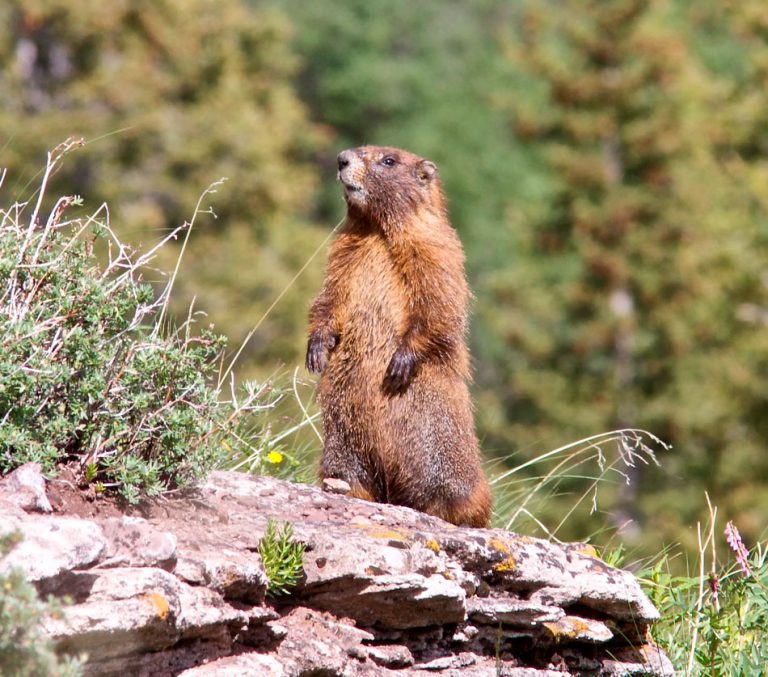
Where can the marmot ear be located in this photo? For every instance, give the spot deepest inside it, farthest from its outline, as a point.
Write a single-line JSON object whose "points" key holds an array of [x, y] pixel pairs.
{"points": [[426, 170]]}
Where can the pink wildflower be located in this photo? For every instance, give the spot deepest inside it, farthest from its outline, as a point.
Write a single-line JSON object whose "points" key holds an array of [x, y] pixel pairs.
{"points": [[737, 545]]}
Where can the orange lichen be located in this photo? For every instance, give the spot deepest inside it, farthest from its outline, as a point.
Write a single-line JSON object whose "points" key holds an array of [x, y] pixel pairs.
{"points": [[498, 544], [388, 534], [433, 545], [160, 604], [571, 628], [507, 564], [589, 550], [568, 629]]}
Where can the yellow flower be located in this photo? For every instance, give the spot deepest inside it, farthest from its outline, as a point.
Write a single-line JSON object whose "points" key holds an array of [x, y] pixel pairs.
{"points": [[275, 457]]}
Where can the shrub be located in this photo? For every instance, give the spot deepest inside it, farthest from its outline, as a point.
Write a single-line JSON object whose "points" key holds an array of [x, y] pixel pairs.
{"points": [[90, 368]]}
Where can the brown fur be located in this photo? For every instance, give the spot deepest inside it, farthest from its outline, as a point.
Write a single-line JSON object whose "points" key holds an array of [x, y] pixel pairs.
{"points": [[387, 331]]}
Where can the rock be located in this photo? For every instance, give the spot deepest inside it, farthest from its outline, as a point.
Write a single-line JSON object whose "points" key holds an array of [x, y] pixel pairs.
{"points": [[391, 656], [404, 601], [242, 664], [204, 612], [459, 661], [385, 591], [234, 574], [51, 546], [127, 611], [311, 643], [336, 486], [170, 661], [511, 611], [25, 488], [132, 542], [556, 575], [8, 509], [628, 661], [577, 629]]}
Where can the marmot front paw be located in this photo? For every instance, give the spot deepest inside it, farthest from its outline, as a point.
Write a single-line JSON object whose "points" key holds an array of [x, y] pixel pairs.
{"points": [[400, 372], [319, 348]]}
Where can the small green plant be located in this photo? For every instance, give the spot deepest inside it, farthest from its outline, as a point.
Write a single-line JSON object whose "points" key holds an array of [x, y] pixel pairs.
{"points": [[24, 649], [282, 557]]}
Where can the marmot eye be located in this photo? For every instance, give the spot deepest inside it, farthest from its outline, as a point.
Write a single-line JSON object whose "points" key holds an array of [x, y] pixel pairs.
{"points": [[389, 161]]}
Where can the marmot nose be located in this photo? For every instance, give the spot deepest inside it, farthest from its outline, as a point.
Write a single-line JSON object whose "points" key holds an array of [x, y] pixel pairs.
{"points": [[344, 158]]}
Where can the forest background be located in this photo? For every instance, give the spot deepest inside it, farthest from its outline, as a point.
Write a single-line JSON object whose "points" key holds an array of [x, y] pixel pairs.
{"points": [[606, 167]]}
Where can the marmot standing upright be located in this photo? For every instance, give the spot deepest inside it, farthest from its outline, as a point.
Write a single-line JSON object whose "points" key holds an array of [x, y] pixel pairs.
{"points": [[387, 331]]}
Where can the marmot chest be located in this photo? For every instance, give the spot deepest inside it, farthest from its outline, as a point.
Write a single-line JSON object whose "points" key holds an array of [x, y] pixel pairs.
{"points": [[375, 307]]}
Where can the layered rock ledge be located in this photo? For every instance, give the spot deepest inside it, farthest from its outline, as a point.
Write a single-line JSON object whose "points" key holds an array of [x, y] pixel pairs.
{"points": [[178, 588]]}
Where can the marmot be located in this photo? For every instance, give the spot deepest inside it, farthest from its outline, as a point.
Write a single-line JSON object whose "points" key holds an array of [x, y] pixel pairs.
{"points": [[387, 331]]}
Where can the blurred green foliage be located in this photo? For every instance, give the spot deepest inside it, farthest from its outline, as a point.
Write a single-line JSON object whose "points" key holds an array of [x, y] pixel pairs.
{"points": [[605, 163], [25, 650], [624, 307]]}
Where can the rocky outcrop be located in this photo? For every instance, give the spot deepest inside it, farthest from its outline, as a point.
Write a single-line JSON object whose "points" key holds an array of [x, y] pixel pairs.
{"points": [[180, 590]]}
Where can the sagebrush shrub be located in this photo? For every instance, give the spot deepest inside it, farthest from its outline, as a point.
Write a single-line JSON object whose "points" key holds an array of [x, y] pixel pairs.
{"points": [[88, 369]]}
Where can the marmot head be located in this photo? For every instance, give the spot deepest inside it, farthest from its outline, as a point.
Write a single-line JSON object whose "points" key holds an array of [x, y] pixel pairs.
{"points": [[388, 185]]}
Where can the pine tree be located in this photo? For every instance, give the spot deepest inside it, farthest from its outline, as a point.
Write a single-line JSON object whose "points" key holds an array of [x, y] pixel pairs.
{"points": [[170, 96], [621, 310]]}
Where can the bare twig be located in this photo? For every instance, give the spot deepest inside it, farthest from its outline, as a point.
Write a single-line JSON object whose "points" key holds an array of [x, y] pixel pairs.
{"points": [[166, 294]]}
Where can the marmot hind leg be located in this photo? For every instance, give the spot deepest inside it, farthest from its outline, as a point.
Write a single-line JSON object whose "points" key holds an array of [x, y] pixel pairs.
{"points": [[473, 510], [341, 460]]}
